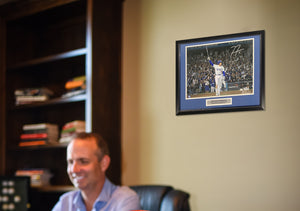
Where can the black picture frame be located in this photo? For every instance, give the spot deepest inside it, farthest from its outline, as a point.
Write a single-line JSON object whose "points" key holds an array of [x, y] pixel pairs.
{"points": [[242, 88]]}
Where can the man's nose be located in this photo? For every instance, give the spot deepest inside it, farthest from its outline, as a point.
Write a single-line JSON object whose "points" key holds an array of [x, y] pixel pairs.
{"points": [[75, 167]]}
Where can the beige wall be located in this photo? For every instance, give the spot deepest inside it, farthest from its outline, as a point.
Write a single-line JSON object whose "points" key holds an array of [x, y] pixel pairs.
{"points": [[241, 161]]}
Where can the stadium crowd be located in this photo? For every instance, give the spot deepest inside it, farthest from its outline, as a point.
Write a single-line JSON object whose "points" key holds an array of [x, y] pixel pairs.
{"points": [[200, 74]]}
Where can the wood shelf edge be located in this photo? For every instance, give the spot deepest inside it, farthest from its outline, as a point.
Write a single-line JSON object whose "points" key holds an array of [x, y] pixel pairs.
{"points": [[50, 58], [55, 188], [54, 101]]}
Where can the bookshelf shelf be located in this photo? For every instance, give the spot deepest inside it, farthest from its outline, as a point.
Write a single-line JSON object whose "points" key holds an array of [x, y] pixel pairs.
{"points": [[48, 59], [57, 188], [41, 147], [50, 102]]}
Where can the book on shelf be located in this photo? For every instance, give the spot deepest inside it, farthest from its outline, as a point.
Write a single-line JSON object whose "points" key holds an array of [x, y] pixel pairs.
{"points": [[51, 138], [38, 176], [30, 136], [67, 136], [75, 86], [74, 124], [43, 130], [73, 93], [38, 126], [34, 92], [32, 143], [76, 82], [32, 95], [20, 100], [70, 129]]}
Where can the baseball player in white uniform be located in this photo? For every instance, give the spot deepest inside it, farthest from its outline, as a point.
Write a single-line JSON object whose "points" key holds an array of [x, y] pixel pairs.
{"points": [[219, 69]]}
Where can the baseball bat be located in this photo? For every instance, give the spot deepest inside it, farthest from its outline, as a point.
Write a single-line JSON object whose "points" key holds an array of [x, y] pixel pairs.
{"points": [[207, 52]]}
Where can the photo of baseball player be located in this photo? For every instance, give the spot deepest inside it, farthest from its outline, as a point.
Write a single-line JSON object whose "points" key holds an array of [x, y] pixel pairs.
{"points": [[220, 69]]}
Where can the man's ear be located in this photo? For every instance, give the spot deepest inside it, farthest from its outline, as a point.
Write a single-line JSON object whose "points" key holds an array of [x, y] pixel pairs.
{"points": [[105, 162]]}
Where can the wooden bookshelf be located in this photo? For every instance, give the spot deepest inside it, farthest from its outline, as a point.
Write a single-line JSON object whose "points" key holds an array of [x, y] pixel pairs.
{"points": [[44, 43]]}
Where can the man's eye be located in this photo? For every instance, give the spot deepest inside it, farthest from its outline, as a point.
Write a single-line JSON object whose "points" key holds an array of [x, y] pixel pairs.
{"points": [[84, 161]]}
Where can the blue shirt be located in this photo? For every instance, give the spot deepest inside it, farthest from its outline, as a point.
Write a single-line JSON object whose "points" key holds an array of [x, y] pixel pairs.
{"points": [[111, 198]]}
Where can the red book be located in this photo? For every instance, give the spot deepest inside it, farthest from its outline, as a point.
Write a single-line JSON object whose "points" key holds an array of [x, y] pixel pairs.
{"points": [[34, 135]]}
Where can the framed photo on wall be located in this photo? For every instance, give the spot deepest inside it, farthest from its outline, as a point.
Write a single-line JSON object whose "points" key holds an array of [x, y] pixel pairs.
{"points": [[220, 73]]}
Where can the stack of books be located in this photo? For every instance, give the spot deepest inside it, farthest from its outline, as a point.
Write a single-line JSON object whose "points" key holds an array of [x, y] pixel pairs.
{"points": [[70, 129], [32, 95], [39, 134], [38, 177], [75, 86]]}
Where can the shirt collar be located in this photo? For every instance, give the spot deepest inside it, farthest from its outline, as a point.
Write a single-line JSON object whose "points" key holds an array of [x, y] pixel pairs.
{"points": [[102, 199], [78, 201]]}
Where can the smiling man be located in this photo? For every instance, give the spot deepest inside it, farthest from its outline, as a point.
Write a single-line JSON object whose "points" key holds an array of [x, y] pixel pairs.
{"points": [[88, 159]]}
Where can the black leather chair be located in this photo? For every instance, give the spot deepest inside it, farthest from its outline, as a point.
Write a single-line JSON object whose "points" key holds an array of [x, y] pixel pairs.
{"points": [[162, 198]]}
